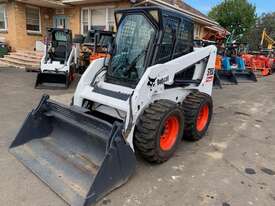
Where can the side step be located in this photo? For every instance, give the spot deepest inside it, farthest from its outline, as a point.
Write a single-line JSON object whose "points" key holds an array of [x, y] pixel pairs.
{"points": [[80, 157]]}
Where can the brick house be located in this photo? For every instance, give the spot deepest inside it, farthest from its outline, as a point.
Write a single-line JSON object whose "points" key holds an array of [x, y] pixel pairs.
{"points": [[23, 23]]}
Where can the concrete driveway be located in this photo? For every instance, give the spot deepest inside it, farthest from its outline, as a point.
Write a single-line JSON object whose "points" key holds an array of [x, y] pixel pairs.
{"points": [[234, 165]]}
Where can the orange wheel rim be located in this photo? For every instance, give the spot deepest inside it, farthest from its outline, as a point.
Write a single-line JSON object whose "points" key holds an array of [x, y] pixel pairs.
{"points": [[203, 118], [170, 133]]}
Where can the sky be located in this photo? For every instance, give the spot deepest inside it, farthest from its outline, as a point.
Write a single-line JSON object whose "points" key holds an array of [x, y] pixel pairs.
{"points": [[206, 5]]}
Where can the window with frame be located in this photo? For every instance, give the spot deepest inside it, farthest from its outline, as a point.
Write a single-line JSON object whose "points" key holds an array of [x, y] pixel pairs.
{"points": [[85, 20], [33, 19], [184, 39], [169, 36], [97, 18], [111, 19], [3, 17]]}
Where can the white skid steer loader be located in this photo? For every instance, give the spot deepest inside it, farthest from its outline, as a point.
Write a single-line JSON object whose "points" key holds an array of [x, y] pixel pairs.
{"points": [[154, 90], [59, 60]]}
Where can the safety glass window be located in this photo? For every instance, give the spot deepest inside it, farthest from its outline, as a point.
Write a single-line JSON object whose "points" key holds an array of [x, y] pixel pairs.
{"points": [[131, 45], [166, 48]]}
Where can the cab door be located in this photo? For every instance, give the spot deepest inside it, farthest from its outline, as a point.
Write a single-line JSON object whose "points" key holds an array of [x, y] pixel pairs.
{"points": [[167, 45]]}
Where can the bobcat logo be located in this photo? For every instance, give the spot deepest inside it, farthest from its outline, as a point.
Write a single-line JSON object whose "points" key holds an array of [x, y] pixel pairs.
{"points": [[152, 82]]}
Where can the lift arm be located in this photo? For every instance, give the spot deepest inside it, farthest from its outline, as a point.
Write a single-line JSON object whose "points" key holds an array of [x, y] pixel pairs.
{"points": [[268, 39]]}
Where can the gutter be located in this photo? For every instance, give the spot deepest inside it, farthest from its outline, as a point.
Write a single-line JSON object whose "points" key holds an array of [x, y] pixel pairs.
{"points": [[52, 4]]}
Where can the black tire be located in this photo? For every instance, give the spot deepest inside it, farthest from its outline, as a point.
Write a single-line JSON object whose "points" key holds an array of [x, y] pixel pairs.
{"points": [[192, 106], [150, 127]]}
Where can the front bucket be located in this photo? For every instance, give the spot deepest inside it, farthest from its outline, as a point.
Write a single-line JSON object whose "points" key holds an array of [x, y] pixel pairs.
{"points": [[80, 157], [244, 76], [52, 80], [227, 77]]}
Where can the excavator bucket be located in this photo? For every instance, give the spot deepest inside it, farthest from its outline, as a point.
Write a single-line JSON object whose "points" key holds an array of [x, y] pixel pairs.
{"points": [[52, 80], [80, 157]]}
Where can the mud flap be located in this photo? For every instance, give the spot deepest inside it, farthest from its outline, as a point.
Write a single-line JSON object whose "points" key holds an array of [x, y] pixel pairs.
{"points": [[80, 157], [227, 77], [46, 80], [244, 76]]}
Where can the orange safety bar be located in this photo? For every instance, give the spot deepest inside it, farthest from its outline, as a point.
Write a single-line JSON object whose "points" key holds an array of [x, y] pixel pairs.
{"points": [[218, 65], [98, 56]]}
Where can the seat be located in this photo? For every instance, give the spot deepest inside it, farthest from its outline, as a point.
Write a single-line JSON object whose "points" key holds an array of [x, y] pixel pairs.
{"points": [[60, 53]]}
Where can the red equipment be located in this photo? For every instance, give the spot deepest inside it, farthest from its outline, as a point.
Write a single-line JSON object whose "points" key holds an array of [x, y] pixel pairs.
{"points": [[258, 63]]}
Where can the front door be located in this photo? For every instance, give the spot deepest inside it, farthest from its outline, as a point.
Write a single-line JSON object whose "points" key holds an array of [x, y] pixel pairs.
{"points": [[60, 22]]}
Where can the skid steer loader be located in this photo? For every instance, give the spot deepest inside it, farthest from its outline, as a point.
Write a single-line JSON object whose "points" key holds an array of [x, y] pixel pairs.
{"points": [[154, 90], [59, 60], [234, 70]]}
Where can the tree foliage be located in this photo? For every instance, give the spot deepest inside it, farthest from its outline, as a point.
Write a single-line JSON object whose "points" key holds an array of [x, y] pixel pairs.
{"points": [[235, 15], [265, 21]]}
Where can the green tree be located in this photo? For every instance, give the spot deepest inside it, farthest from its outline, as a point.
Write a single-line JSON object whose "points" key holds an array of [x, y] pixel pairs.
{"points": [[265, 21], [235, 15]]}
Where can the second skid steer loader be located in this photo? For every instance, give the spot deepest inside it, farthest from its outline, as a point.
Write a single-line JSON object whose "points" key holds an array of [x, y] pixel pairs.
{"points": [[59, 60], [154, 90]]}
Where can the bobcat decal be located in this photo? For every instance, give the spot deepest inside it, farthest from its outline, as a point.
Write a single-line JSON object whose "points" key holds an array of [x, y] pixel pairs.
{"points": [[152, 82]]}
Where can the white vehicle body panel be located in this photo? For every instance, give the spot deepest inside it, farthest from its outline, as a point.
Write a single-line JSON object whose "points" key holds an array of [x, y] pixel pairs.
{"points": [[56, 66], [151, 87]]}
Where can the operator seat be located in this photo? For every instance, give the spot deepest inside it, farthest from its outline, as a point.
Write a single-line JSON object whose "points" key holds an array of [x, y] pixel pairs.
{"points": [[60, 54]]}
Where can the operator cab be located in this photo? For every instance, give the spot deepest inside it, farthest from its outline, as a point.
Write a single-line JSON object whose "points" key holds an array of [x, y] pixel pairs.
{"points": [[146, 37], [59, 44]]}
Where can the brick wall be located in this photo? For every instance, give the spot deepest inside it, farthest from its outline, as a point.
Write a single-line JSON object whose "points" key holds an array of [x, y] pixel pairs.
{"points": [[10, 34], [74, 13], [19, 38], [74, 19], [17, 34]]}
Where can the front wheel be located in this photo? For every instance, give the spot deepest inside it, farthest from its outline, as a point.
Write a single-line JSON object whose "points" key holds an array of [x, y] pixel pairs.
{"points": [[159, 131], [198, 110]]}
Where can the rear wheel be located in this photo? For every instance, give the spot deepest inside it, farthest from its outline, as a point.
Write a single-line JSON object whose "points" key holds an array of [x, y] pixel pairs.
{"points": [[198, 109], [158, 131]]}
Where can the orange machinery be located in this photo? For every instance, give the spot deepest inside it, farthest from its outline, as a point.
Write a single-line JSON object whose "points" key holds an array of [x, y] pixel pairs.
{"points": [[95, 46], [218, 67], [258, 62]]}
